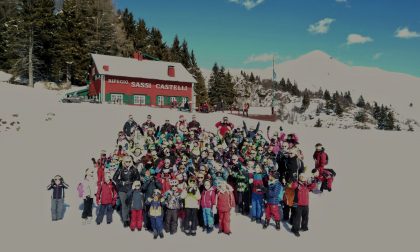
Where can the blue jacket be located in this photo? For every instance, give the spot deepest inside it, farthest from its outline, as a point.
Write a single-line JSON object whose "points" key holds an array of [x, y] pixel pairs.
{"points": [[274, 193]]}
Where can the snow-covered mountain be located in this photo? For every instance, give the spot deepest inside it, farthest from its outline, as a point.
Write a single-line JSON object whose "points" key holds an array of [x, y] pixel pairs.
{"points": [[318, 69]]}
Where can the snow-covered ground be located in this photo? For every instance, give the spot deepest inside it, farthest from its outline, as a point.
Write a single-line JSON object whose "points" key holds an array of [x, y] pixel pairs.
{"points": [[373, 206]]}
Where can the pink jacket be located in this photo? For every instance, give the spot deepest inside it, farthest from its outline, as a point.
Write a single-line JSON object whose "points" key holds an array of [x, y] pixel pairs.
{"points": [[208, 198]]}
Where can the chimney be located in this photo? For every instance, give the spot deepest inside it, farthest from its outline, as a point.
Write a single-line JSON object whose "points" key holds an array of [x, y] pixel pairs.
{"points": [[106, 68], [138, 56], [171, 71]]}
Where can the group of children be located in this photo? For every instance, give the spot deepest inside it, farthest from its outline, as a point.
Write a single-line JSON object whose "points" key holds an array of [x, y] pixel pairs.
{"points": [[162, 177]]}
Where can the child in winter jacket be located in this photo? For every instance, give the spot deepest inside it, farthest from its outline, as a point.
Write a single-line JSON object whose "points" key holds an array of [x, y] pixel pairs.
{"points": [[273, 195], [106, 198], [207, 203], [301, 216], [173, 205], [256, 179], [225, 201], [57, 198], [135, 199], [156, 213], [89, 190], [191, 197]]}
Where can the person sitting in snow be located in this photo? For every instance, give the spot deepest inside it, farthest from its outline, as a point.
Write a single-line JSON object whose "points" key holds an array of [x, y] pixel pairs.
{"points": [[57, 198]]}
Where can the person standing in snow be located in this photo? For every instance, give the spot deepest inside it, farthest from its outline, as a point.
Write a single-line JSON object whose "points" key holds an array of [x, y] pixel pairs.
{"points": [[225, 201], [57, 198], [89, 190], [224, 127], [124, 178], [129, 126], [106, 198], [273, 195]]}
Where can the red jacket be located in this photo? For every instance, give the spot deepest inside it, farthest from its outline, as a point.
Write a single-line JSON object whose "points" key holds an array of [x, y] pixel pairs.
{"points": [[100, 172], [106, 194], [302, 192], [225, 201], [224, 127], [208, 198], [320, 158], [165, 181]]}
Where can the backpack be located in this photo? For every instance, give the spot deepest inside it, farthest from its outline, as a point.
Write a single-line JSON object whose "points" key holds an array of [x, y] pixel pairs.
{"points": [[80, 190]]}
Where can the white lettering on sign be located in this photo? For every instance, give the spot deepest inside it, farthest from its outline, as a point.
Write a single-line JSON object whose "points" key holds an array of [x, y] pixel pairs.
{"points": [[136, 84], [171, 87]]}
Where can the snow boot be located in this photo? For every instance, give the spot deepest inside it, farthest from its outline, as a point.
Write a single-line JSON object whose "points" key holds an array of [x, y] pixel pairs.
{"points": [[155, 235], [126, 224], [259, 221], [304, 229], [277, 225], [209, 230], [252, 219], [83, 221], [205, 228], [193, 233], [161, 235], [296, 233], [265, 224]]}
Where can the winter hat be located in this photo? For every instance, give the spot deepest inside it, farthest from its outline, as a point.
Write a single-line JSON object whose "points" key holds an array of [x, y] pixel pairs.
{"points": [[157, 192], [136, 183]]}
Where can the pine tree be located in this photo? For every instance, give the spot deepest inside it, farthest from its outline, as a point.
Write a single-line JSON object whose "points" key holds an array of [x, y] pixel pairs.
{"points": [[129, 23], [252, 77], [361, 116], [282, 84], [305, 102], [318, 123], [389, 121], [176, 50], [200, 87], [185, 59], [361, 102], [158, 48], [338, 109], [141, 37], [327, 95], [320, 94]]}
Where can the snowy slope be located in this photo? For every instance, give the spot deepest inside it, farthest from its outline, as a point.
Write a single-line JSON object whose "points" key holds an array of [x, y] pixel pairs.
{"points": [[375, 189], [317, 69]]}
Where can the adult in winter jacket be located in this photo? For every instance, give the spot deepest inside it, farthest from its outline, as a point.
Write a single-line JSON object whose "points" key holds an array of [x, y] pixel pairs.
{"points": [[129, 126], [320, 157], [135, 199], [250, 134], [273, 196], [57, 198], [224, 126], [89, 190], [148, 124], [225, 201], [194, 125], [106, 198], [301, 217], [124, 178]]}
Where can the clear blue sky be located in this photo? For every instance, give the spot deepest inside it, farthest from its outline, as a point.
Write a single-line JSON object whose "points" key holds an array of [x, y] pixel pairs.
{"points": [[241, 33]]}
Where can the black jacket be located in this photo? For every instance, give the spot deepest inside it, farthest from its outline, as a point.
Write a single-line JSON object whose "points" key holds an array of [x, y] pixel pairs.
{"points": [[124, 178], [128, 126], [149, 186]]}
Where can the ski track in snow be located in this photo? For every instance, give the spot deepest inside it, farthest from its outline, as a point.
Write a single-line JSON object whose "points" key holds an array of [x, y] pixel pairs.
{"points": [[373, 205]]}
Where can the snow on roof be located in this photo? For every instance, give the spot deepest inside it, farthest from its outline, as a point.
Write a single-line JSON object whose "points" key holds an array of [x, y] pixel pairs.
{"points": [[147, 69]]}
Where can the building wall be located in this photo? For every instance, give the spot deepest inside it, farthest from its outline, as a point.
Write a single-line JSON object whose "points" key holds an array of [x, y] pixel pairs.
{"points": [[151, 89]]}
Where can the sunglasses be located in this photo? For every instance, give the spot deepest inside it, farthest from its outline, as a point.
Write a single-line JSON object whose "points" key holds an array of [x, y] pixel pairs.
{"points": [[56, 179]]}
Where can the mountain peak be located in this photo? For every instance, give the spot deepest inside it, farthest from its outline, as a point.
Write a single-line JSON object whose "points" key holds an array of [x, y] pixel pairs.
{"points": [[318, 55]]}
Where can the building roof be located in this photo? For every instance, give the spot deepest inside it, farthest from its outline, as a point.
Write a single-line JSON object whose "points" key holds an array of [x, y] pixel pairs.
{"points": [[147, 69]]}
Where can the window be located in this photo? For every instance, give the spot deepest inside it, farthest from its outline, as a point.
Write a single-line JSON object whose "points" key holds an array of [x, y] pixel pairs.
{"points": [[173, 99], [159, 100], [184, 100], [116, 98], [140, 100]]}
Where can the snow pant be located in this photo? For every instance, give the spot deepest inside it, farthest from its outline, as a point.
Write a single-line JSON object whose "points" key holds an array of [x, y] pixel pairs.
{"points": [[224, 222], [171, 220], [157, 224], [243, 202], [124, 208], [272, 210], [208, 217], [326, 183], [191, 220], [57, 209], [136, 219], [301, 218], [288, 212], [87, 207], [104, 209], [181, 216], [257, 205]]}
